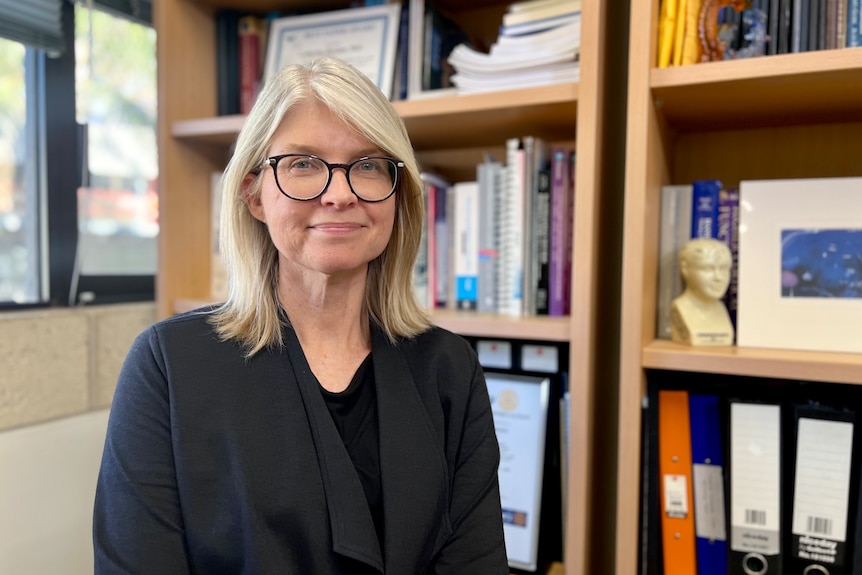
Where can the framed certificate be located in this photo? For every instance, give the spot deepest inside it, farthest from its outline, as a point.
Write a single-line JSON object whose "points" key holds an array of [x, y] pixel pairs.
{"points": [[520, 407], [365, 37]]}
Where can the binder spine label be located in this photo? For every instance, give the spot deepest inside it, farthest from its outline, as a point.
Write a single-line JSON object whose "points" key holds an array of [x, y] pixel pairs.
{"points": [[822, 486], [755, 478], [709, 502], [675, 496]]}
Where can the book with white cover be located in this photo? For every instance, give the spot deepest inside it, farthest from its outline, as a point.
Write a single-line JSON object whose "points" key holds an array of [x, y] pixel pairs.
{"points": [[510, 282], [466, 244], [674, 232], [489, 175]]}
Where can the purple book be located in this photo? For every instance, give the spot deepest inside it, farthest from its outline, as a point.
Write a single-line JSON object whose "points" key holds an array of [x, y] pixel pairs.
{"points": [[562, 202]]}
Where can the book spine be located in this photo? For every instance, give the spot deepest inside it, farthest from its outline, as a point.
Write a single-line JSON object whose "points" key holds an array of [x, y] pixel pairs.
{"points": [[560, 228], [227, 61], [728, 232], [704, 220], [675, 223], [511, 266], [466, 244], [431, 224], [542, 234], [488, 174], [841, 24], [854, 23], [249, 62], [420, 268]]}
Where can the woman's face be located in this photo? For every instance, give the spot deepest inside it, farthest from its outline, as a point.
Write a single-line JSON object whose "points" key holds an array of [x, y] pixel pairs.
{"points": [[336, 233]]}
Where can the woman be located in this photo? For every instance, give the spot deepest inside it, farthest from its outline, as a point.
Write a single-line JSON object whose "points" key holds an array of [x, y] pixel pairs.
{"points": [[315, 422]]}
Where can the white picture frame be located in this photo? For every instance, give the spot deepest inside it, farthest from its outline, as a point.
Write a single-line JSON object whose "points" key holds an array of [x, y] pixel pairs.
{"points": [[519, 404], [365, 37], [796, 241]]}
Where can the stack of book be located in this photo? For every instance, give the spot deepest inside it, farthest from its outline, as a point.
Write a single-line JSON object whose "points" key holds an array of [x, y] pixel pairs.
{"points": [[538, 44]]}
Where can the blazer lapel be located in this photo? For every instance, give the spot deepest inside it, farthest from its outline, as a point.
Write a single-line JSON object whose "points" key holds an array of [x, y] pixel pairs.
{"points": [[353, 533], [412, 465]]}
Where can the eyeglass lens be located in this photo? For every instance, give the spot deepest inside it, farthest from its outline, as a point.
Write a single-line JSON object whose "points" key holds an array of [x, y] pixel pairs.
{"points": [[305, 177]]}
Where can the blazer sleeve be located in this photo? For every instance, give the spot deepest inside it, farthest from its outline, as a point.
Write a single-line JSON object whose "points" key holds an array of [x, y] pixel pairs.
{"points": [[476, 544], [137, 524]]}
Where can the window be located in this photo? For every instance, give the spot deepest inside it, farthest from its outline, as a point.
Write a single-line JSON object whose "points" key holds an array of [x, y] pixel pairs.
{"points": [[78, 160], [115, 77], [19, 238]]}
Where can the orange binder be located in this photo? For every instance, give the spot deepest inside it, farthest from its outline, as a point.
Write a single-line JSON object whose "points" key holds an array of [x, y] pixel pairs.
{"points": [[675, 484]]}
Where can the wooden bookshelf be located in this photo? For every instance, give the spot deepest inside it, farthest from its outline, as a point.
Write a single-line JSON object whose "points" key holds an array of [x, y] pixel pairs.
{"points": [[449, 133], [785, 116]]}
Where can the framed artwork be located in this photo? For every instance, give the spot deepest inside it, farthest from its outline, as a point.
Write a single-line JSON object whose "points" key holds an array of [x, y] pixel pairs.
{"points": [[365, 37], [800, 264]]}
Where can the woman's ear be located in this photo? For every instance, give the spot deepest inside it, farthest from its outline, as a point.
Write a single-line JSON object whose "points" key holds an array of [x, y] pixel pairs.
{"points": [[251, 196]]}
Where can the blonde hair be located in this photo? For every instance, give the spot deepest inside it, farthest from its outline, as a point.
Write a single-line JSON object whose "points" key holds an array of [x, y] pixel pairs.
{"points": [[251, 313]]}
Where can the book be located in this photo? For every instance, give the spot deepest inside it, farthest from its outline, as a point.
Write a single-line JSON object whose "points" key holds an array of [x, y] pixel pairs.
{"points": [[227, 62], [438, 240], [562, 204], [675, 231], [536, 225], [489, 175], [218, 271], [679, 32], [666, 31], [675, 483], [250, 48], [727, 231], [854, 23], [541, 12], [466, 244], [510, 282], [704, 216]]}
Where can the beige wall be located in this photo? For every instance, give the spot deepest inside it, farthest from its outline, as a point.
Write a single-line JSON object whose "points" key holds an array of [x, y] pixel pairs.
{"points": [[58, 370], [57, 363]]}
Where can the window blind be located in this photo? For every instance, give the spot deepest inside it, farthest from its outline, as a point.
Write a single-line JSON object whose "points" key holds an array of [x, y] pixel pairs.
{"points": [[36, 23]]}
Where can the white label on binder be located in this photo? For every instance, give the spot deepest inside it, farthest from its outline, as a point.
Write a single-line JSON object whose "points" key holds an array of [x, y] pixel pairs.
{"points": [[822, 484], [675, 496], [540, 358], [755, 473], [494, 353], [709, 502]]}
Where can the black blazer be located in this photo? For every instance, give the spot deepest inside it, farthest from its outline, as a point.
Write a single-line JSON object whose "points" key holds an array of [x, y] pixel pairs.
{"points": [[220, 465]]}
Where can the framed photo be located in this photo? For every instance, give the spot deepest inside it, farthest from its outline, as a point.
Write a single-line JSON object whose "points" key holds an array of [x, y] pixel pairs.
{"points": [[365, 37], [519, 403], [800, 264]]}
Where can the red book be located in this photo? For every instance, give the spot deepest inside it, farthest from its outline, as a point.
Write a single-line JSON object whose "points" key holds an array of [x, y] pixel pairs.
{"points": [[249, 61]]}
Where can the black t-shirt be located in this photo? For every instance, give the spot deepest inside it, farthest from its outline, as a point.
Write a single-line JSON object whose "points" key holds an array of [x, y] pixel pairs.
{"points": [[354, 412]]}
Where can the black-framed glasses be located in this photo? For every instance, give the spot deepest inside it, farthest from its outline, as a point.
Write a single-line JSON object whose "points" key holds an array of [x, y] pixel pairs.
{"points": [[304, 177]]}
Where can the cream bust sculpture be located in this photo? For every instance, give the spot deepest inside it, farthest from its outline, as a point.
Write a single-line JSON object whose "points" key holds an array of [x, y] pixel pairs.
{"points": [[698, 316]]}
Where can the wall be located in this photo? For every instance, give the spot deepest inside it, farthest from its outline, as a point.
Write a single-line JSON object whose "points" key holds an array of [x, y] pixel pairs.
{"points": [[58, 369]]}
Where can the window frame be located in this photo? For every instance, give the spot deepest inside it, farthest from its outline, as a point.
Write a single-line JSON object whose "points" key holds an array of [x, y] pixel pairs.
{"points": [[58, 143]]}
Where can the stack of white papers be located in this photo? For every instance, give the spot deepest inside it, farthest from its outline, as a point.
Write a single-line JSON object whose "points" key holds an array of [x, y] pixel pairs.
{"points": [[537, 59]]}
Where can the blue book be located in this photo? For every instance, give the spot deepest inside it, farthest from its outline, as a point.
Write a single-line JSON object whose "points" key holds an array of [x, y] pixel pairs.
{"points": [[854, 23], [708, 482], [704, 206], [728, 232]]}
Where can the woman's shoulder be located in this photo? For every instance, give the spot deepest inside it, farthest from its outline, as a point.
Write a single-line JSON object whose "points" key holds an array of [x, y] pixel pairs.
{"points": [[438, 344]]}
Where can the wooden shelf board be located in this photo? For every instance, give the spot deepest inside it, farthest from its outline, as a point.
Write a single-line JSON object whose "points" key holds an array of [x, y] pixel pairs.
{"points": [[469, 323], [500, 326], [823, 86], [755, 362], [490, 118], [481, 119]]}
